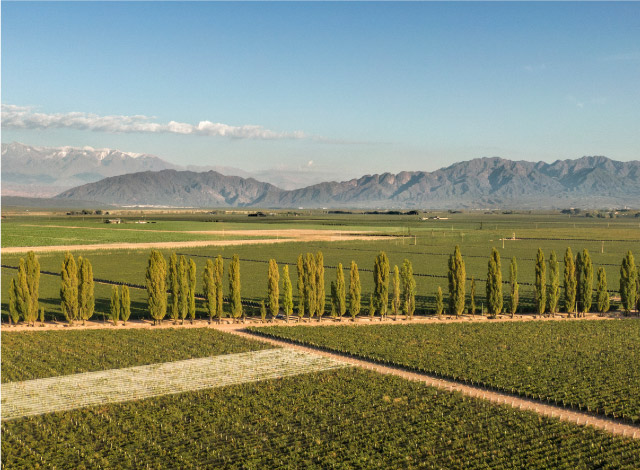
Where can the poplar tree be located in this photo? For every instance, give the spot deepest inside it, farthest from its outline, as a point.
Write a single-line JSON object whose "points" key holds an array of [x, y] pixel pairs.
{"points": [[234, 287], [192, 290], [586, 282], [372, 305], [602, 296], [14, 313], [86, 298], [341, 292], [209, 288], [395, 300], [628, 276], [156, 282], [125, 300], [301, 288], [540, 293], [494, 284], [355, 291], [638, 291], [287, 292], [457, 275], [333, 295], [115, 305], [579, 271], [24, 299], [218, 276], [408, 289], [514, 288], [320, 291], [310, 300], [263, 311], [381, 284], [174, 286], [69, 288], [183, 288], [569, 282], [439, 302], [472, 297], [273, 288], [33, 281], [554, 283]]}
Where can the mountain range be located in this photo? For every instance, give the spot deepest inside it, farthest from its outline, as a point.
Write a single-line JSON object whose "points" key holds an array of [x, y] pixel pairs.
{"points": [[590, 182]]}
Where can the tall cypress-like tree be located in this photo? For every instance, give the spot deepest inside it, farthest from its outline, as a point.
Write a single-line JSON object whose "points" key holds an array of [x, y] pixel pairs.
{"points": [[209, 288], [310, 300], [602, 295], [457, 276], [14, 313], [372, 306], [183, 288], [395, 299], [554, 284], [86, 298], [628, 276], [273, 288], [287, 292], [514, 287], [115, 305], [579, 273], [300, 285], [494, 283], [355, 291], [341, 292], [156, 282], [586, 280], [569, 282], [439, 302], [333, 295], [218, 277], [638, 290], [192, 290], [263, 311], [381, 283], [174, 286], [235, 297], [540, 294], [472, 297], [25, 306], [320, 290], [125, 301], [408, 289], [33, 282], [69, 288]]}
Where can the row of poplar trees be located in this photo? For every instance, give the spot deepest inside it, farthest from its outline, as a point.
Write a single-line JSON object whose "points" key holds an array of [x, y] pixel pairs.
{"points": [[578, 285]]}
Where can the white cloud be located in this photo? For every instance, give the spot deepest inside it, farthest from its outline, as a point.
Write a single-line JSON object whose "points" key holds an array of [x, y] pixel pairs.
{"points": [[24, 117]]}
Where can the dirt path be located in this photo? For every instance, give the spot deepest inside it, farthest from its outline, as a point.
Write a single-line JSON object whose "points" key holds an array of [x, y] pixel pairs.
{"points": [[563, 414], [326, 321], [321, 235]]}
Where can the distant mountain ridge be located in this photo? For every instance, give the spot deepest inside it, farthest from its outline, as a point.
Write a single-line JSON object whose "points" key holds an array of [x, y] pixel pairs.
{"points": [[479, 183]]}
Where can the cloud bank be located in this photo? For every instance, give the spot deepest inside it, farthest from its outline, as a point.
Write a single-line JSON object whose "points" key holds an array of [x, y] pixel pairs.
{"points": [[24, 117]]}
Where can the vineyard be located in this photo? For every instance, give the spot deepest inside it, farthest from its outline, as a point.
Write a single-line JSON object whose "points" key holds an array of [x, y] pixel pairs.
{"points": [[588, 365], [34, 397], [345, 418], [39, 354]]}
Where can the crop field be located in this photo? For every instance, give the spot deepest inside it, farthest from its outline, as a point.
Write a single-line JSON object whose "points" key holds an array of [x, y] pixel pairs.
{"points": [[39, 354], [590, 365], [426, 243], [345, 418]]}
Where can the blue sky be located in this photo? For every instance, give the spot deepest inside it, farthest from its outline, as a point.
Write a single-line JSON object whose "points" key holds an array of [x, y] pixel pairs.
{"points": [[354, 88]]}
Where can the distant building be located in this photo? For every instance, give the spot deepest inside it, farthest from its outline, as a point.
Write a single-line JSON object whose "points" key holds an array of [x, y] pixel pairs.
{"points": [[113, 221]]}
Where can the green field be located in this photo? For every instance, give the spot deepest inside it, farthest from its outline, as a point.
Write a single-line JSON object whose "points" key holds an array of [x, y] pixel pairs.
{"points": [[347, 418], [592, 365], [39, 354], [435, 239]]}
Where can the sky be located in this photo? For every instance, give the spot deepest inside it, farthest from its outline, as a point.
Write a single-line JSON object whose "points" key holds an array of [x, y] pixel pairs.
{"points": [[336, 89]]}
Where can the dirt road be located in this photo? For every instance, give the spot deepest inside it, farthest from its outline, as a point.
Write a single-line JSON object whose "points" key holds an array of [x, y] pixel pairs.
{"points": [[282, 236]]}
